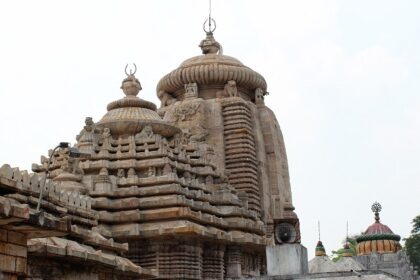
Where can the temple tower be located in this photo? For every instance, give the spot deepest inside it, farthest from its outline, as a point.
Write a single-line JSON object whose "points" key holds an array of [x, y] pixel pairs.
{"points": [[199, 189], [220, 102], [155, 185]]}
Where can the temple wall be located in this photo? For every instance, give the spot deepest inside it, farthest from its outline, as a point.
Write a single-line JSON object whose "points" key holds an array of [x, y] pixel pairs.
{"points": [[277, 168], [240, 152], [214, 117], [65, 269], [396, 264], [196, 259], [326, 276], [264, 182], [13, 254]]}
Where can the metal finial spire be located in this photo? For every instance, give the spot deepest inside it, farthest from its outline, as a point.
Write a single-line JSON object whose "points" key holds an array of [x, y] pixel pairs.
{"points": [[210, 15], [346, 244], [376, 208], [210, 21], [347, 231], [132, 72], [319, 231]]}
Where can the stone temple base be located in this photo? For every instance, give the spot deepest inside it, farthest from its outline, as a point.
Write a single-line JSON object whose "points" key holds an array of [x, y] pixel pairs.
{"points": [[286, 259]]}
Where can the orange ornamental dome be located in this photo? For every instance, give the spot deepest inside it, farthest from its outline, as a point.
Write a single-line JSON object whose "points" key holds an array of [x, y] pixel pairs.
{"points": [[378, 237], [212, 69], [129, 115]]}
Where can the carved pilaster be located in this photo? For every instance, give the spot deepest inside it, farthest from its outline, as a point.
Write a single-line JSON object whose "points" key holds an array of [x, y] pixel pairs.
{"points": [[233, 261]]}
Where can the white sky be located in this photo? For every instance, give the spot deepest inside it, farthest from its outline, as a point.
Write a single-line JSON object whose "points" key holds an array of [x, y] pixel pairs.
{"points": [[343, 78]]}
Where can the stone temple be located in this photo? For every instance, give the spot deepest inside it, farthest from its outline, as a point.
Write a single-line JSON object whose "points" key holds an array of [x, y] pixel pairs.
{"points": [[196, 189]]}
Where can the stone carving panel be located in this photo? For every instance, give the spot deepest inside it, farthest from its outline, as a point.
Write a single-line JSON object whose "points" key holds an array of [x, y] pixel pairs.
{"points": [[186, 112], [191, 91]]}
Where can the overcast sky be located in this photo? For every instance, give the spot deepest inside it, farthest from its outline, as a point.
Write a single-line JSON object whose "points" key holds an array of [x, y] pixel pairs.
{"points": [[343, 78]]}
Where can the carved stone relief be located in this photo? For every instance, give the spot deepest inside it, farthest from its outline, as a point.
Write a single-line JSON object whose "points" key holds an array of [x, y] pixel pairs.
{"points": [[146, 132], [166, 99], [185, 112], [259, 96], [191, 91], [230, 90]]}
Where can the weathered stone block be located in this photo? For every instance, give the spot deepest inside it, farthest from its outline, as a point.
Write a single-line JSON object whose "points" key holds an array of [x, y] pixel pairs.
{"points": [[21, 265], [16, 238], [7, 263], [3, 235], [286, 259], [13, 250]]}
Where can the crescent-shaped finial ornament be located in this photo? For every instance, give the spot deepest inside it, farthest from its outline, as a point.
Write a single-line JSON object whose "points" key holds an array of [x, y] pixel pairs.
{"points": [[131, 70], [209, 22]]}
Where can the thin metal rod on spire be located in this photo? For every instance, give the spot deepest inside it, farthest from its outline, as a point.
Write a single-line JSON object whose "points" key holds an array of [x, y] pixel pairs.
{"points": [[347, 231], [319, 231], [210, 22], [209, 14]]}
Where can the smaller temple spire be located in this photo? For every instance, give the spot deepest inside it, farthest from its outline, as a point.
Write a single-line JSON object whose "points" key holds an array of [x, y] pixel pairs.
{"points": [[319, 249], [347, 252], [376, 208]]}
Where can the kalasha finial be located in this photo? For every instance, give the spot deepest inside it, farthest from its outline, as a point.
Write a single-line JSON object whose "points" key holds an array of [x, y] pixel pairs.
{"points": [[131, 85], [376, 208], [209, 45]]}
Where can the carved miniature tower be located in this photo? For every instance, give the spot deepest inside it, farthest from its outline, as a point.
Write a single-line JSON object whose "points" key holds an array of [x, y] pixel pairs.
{"points": [[219, 102]]}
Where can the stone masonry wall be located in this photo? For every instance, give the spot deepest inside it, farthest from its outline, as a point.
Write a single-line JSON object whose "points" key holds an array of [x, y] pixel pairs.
{"points": [[13, 254]]}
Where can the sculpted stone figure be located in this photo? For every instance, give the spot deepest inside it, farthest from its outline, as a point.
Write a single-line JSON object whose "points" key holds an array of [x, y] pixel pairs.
{"points": [[86, 138], [147, 132], [191, 91], [72, 166], [259, 96], [230, 90], [121, 173], [106, 142], [106, 136], [165, 99]]}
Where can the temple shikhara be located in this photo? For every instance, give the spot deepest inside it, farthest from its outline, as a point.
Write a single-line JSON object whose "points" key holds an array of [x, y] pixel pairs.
{"points": [[194, 189], [198, 188]]}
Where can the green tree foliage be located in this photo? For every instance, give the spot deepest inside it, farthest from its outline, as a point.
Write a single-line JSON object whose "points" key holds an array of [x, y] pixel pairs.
{"points": [[352, 246], [412, 244]]}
